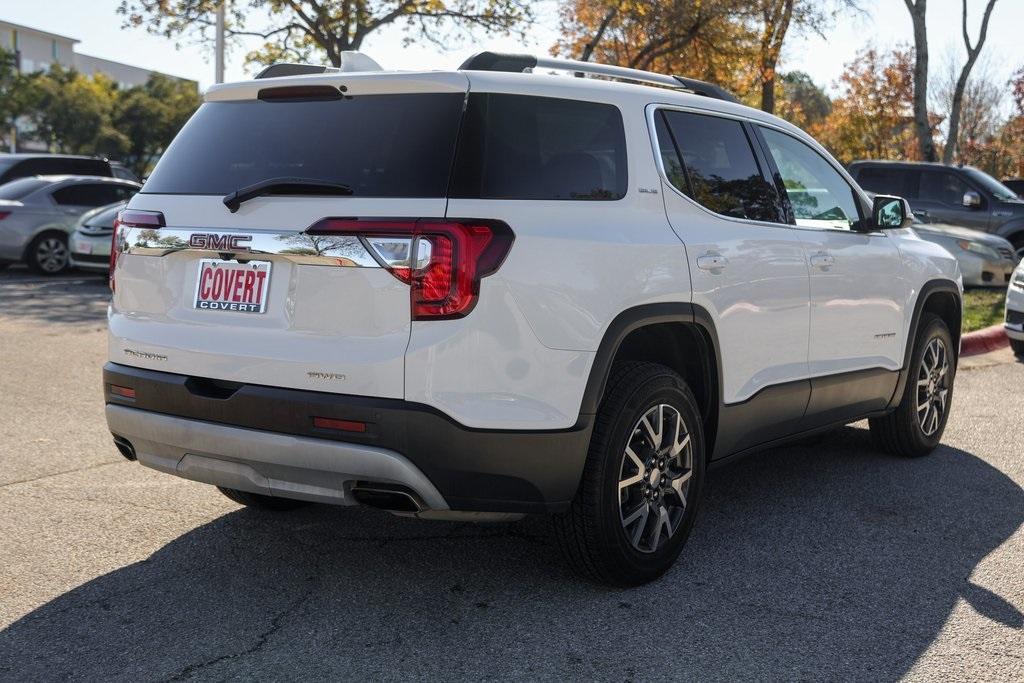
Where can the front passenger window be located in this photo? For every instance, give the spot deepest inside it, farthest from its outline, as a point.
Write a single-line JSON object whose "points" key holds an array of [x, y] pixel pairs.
{"points": [[819, 195]]}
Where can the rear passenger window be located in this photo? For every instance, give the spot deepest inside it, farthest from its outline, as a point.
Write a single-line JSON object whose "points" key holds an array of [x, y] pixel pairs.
{"points": [[85, 194], [721, 168], [525, 147]]}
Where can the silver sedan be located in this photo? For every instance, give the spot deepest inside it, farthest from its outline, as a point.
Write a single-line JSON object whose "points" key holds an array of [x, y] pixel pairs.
{"points": [[985, 260], [37, 214]]}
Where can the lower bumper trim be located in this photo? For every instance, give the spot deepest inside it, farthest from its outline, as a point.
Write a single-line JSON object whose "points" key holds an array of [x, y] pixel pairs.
{"points": [[264, 462]]}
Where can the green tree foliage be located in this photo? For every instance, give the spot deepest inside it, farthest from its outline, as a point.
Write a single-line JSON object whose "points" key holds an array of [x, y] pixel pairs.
{"points": [[306, 30], [16, 96], [77, 114], [801, 101], [149, 116]]}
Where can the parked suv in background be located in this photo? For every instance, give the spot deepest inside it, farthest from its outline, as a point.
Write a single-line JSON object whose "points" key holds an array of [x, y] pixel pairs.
{"points": [[38, 213], [483, 293], [957, 195]]}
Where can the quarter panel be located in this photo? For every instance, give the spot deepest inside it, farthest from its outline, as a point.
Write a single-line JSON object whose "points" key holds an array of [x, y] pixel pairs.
{"points": [[489, 371]]}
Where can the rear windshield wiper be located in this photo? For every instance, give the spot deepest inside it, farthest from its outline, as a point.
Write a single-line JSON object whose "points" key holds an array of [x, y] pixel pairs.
{"points": [[284, 186]]}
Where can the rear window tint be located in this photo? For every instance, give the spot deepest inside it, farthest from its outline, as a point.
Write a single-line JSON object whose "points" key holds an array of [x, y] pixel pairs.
{"points": [[527, 147], [894, 181], [397, 145], [721, 168]]}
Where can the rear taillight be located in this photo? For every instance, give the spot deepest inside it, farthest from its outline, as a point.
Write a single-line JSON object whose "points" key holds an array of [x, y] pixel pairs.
{"points": [[131, 218], [4, 214], [441, 260]]}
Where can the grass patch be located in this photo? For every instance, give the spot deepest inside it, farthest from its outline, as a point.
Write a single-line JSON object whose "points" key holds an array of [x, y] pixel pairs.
{"points": [[983, 308]]}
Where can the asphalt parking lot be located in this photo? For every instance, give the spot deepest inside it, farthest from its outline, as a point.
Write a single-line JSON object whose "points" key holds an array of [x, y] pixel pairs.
{"points": [[824, 560]]}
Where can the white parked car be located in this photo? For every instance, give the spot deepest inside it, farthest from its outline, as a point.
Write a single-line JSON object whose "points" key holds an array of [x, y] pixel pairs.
{"points": [[90, 242], [484, 293], [1014, 323]]}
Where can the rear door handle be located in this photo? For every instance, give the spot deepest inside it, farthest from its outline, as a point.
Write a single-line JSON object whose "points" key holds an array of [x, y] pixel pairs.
{"points": [[712, 262], [823, 260]]}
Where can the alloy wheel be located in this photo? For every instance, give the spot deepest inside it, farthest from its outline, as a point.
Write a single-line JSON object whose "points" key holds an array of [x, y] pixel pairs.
{"points": [[654, 478], [51, 255], [932, 386]]}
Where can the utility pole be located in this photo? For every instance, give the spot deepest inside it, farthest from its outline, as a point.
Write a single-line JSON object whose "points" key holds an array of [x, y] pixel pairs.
{"points": [[219, 59]]}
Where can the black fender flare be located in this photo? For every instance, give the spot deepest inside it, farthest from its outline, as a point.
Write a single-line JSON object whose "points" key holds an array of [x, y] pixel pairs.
{"points": [[1011, 228], [633, 319], [927, 290]]}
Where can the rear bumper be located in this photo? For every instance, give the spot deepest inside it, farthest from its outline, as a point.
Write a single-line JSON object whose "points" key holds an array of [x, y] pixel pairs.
{"points": [[263, 439], [264, 462]]}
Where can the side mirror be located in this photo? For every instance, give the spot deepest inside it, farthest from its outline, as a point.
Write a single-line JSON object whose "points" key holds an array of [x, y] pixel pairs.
{"points": [[888, 213], [972, 199]]}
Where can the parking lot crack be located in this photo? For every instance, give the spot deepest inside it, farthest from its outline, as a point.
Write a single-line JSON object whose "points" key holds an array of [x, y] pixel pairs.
{"points": [[276, 623], [57, 474]]}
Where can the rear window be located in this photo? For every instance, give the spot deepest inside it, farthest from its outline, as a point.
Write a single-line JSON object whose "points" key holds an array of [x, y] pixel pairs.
{"points": [[398, 145], [527, 147], [719, 169], [21, 188], [894, 181]]}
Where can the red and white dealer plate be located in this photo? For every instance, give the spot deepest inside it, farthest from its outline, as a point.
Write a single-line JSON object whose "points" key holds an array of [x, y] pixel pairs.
{"points": [[232, 286]]}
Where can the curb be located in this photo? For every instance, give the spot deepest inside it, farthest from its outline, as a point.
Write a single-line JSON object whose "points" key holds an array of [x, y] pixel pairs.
{"points": [[982, 341]]}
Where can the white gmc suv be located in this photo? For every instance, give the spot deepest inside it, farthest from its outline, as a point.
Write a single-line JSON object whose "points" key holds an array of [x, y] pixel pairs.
{"points": [[488, 292]]}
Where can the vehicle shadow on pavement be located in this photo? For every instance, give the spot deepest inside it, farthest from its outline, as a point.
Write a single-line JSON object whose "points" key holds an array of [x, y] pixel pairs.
{"points": [[74, 298], [821, 560]]}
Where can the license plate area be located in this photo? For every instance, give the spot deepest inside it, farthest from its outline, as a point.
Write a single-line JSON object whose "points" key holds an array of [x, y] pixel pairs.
{"points": [[232, 286]]}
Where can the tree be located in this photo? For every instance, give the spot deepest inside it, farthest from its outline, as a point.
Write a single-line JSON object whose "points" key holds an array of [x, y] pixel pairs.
{"points": [[961, 83], [981, 105], [700, 39], [17, 98], [70, 110], [872, 118], [801, 101], [777, 18], [309, 29], [922, 126], [149, 116]]}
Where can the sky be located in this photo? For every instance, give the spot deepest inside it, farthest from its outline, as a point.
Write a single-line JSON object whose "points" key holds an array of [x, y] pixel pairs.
{"points": [[886, 24]]}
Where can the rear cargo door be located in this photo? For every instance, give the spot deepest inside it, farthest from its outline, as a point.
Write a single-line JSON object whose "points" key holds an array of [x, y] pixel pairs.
{"points": [[261, 294]]}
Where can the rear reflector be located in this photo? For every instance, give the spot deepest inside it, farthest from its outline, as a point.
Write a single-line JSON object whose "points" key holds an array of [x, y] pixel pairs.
{"points": [[126, 392], [442, 260], [341, 425]]}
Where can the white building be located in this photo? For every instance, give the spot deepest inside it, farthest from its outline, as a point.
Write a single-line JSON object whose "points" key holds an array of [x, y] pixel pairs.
{"points": [[37, 50]]}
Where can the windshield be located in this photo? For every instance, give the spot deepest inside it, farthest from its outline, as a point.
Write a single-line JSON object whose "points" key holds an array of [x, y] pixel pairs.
{"points": [[1001, 192], [397, 145], [21, 188]]}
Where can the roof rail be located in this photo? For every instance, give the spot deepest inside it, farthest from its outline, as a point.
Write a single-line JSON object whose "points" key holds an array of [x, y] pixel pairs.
{"points": [[498, 61], [350, 61]]}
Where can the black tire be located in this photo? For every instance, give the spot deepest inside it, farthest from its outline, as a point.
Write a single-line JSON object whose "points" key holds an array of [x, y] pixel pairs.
{"points": [[261, 502], [592, 532], [901, 432], [1017, 345], [48, 253]]}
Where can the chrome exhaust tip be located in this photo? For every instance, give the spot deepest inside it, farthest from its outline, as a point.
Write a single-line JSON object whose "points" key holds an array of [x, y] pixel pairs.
{"points": [[389, 497]]}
